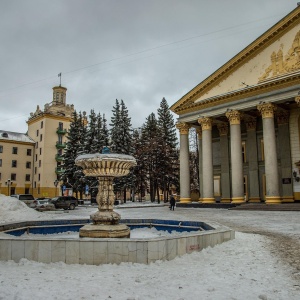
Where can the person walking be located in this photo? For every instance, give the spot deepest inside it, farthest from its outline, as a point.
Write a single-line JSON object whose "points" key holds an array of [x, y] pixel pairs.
{"points": [[172, 202]]}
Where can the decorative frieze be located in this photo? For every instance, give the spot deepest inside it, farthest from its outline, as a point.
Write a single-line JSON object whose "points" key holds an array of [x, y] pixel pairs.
{"points": [[267, 110], [223, 129], [234, 117], [206, 123], [183, 128]]}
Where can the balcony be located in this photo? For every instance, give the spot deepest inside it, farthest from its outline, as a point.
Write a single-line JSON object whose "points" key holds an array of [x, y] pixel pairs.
{"points": [[61, 131], [59, 157], [60, 145], [59, 170]]}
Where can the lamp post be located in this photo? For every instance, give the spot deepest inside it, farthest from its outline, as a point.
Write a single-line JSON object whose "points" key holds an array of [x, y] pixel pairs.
{"points": [[55, 184], [8, 182]]}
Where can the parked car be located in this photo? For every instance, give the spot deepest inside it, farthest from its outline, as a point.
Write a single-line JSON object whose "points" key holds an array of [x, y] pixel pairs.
{"points": [[26, 198], [43, 204], [65, 202]]}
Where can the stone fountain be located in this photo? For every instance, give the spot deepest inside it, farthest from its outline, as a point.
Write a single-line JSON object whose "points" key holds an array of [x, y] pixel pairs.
{"points": [[106, 166]]}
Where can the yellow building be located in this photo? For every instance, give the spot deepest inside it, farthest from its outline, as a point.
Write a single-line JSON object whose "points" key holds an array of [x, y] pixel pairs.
{"points": [[247, 117], [45, 141]]}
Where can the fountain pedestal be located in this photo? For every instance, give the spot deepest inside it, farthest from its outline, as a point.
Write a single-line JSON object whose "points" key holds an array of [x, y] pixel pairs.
{"points": [[106, 167]]}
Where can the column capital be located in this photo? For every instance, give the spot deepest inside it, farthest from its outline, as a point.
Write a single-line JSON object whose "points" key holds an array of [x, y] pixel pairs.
{"points": [[297, 99], [183, 128], [234, 117], [199, 132], [206, 123], [267, 110], [250, 123], [223, 128], [282, 117]]}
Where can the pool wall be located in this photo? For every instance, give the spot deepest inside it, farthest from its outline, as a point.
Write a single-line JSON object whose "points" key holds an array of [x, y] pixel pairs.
{"points": [[102, 251]]}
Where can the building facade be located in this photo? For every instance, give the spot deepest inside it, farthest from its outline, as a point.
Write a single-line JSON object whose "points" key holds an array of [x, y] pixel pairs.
{"points": [[247, 119], [37, 173]]}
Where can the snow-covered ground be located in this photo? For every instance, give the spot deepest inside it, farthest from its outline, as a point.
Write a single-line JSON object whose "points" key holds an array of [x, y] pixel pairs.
{"points": [[263, 263]]}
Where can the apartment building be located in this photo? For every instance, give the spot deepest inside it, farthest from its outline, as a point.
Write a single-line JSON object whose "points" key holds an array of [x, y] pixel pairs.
{"points": [[32, 162]]}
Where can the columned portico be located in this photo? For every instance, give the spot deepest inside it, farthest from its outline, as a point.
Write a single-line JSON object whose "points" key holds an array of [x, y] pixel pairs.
{"points": [[207, 160], [185, 190], [271, 167], [237, 179]]}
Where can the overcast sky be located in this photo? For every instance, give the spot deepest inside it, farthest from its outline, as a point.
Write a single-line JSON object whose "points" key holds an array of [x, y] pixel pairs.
{"points": [[136, 50]]}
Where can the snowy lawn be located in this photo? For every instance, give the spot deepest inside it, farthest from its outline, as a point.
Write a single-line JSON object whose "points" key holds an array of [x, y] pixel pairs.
{"points": [[245, 268]]}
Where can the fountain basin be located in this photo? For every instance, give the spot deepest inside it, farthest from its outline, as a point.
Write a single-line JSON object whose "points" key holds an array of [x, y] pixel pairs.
{"points": [[95, 251]]}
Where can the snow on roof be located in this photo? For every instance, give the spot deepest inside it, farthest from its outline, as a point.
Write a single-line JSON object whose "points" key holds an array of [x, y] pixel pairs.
{"points": [[15, 136]]}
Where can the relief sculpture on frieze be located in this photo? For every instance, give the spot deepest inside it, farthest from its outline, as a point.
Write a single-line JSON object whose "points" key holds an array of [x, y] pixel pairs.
{"points": [[280, 64]]}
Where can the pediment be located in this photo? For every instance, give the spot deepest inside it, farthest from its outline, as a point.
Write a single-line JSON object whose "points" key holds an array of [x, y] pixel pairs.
{"points": [[273, 56]]}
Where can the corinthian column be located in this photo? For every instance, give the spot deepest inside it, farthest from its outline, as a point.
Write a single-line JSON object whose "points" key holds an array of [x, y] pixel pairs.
{"points": [[271, 167], [225, 168], [185, 190], [237, 177], [207, 160]]}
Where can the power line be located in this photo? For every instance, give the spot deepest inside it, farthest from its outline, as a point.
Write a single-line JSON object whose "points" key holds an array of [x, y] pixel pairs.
{"points": [[137, 53]]}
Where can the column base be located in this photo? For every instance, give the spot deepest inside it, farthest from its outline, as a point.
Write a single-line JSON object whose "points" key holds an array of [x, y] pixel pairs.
{"points": [[208, 200], [254, 200], [273, 200], [288, 199], [225, 200], [237, 200], [185, 200]]}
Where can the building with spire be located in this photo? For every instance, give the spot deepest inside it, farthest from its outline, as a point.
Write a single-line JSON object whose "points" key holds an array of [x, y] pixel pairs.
{"points": [[32, 162]]}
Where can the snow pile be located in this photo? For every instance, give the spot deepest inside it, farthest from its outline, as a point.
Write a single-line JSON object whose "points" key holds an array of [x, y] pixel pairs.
{"points": [[12, 209]]}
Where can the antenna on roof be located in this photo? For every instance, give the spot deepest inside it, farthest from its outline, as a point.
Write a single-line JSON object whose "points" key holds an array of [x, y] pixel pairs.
{"points": [[59, 75]]}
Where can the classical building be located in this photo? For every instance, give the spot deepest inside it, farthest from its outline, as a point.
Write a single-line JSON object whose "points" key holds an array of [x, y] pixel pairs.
{"points": [[247, 119], [31, 163]]}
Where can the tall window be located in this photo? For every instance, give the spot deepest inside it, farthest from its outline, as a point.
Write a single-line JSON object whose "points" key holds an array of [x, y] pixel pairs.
{"points": [[61, 125], [39, 177], [35, 170], [28, 152], [15, 150], [244, 151], [0, 176], [27, 177], [42, 124], [40, 151], [36, 157], [40, 163], [41, 137], [37, 133], [1, 149], [13, 163], [0, 162], [28, 164], [13, 176]]}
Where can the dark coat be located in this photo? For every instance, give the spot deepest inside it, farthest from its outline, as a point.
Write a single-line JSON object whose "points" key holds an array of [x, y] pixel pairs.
{"points": [[172, 201]]}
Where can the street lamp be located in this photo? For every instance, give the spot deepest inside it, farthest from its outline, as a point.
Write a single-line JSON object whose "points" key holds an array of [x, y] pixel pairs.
{"points": [[55, 184], [8, 182]]}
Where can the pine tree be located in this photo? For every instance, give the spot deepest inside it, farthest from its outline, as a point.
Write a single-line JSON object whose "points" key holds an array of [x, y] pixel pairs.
{"points": [[169, 157], [73, 174], [121, 141]]}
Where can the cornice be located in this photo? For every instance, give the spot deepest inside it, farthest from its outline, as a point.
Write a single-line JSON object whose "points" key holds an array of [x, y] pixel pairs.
{"points": [[18, 142], [262, 42], [252, 91], [47, 116]]}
